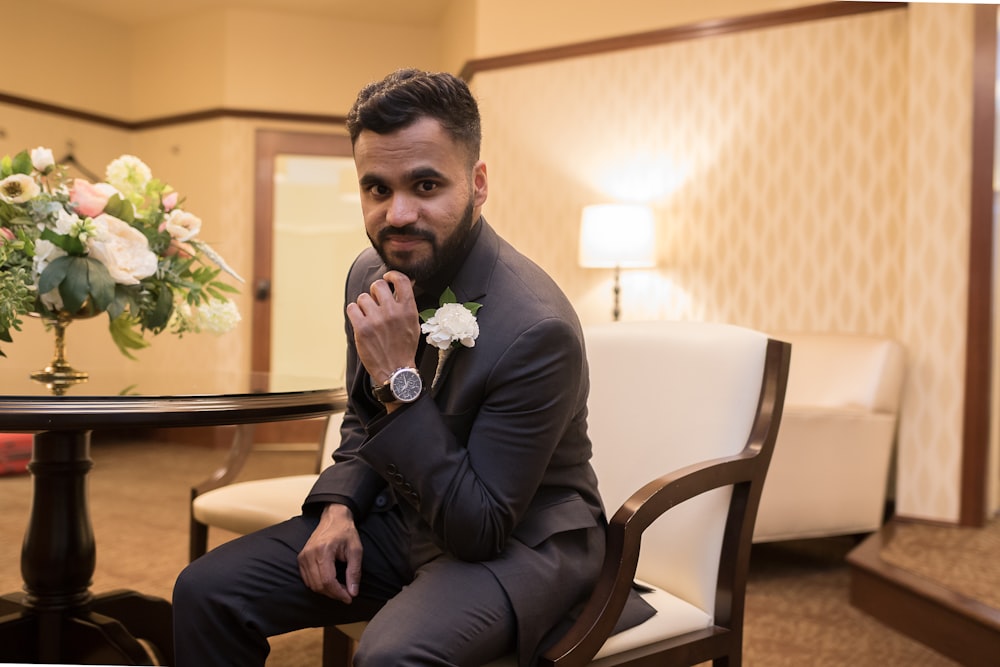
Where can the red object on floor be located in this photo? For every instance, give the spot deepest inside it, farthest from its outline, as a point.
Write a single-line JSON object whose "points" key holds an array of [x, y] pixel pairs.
{"points": [[15, 453]]}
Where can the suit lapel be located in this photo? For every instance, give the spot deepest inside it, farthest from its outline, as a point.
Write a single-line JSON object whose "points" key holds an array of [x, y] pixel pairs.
{"points": [[469, 284]]}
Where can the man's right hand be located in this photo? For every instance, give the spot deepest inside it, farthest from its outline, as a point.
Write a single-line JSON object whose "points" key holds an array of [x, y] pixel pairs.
{"points": [[335, 539]]}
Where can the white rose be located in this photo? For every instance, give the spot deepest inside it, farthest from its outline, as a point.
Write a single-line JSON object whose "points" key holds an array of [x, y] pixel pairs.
{"points": [[450, 323], [181, 225], [41, 159], [18, 188], [122, 249]]}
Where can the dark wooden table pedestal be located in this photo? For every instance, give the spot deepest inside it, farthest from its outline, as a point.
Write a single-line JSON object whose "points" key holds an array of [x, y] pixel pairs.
{"points": [[57, 618]]}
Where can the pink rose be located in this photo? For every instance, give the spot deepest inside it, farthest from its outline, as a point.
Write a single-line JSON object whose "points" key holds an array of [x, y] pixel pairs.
{"points": [[89, 198], [181, 225], [169, 201], [6, 235]]}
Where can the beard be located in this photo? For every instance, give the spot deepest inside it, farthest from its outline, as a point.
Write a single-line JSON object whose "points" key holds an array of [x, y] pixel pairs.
{"points": [[444, 253]]}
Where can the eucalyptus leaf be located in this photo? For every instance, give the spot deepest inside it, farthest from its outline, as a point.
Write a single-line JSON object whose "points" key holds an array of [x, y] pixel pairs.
{"points": [[102, 285], [75, 287], [53, 274]]}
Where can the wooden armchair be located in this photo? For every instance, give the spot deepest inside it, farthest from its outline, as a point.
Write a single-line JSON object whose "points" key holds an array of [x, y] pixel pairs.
{"points": [[243, 507], [683, 417]]}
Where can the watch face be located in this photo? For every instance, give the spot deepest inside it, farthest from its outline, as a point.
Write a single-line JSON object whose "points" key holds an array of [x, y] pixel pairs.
{"points": [[406, 385]]}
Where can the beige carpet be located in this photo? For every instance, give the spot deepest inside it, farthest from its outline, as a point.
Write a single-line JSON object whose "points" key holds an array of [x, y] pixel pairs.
{"points": [[918, 549], [797, 609]]}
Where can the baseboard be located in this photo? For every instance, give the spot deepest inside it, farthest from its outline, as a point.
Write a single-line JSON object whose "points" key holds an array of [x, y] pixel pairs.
{"points": [[956, 626]]}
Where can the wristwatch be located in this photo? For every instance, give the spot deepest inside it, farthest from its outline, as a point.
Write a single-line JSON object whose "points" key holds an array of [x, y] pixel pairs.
{"points": [[403, 385]]}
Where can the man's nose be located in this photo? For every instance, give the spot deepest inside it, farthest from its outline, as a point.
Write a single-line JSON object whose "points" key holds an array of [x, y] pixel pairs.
{"points": [[402, 211]]}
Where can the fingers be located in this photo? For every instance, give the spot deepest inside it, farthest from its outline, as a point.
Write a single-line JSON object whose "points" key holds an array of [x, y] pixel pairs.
{"points": [[352, 571], [320, 575], [335, 539]]}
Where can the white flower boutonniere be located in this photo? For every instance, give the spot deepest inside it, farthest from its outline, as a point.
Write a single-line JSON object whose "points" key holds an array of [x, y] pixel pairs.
{"points": [[450, 325]]}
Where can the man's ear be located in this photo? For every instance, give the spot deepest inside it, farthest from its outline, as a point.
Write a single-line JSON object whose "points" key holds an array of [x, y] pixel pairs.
{"points": [[480, 185]]}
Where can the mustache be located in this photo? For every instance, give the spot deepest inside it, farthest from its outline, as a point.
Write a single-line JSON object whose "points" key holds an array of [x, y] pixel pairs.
{"points": [[409, 231]]}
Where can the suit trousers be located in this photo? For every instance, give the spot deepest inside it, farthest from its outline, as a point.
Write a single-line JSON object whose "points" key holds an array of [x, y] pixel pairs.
{"points": [[424, 607]]}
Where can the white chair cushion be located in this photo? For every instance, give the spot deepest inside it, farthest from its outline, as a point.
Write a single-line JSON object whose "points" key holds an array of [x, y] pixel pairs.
{"points": [[244, 507], [674, 617]]}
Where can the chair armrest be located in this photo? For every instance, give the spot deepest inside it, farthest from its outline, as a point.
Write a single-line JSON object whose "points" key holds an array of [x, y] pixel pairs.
{"points": [[236, 458], [594, 625]]}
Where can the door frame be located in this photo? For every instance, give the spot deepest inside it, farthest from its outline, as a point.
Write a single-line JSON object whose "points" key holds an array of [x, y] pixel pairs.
{"points": [[269, 144]]}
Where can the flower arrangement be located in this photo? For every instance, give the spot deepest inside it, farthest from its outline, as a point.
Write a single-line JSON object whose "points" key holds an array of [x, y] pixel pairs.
{"points": [[125, 247], [450, 325]]}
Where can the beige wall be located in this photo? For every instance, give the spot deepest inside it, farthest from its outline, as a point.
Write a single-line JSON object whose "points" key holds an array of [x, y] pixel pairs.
{"points": [[808, 176], [511, 26]]}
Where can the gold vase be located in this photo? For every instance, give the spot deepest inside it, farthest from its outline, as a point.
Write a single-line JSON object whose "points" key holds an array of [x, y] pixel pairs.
{"points": [[59, 376]]}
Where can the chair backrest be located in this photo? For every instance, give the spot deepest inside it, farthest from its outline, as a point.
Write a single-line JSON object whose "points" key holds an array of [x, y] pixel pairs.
{"points": [[837, 370], [664, 395]]}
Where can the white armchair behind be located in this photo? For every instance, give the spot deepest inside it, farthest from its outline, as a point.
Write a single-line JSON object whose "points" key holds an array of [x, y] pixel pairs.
{"points": [[830, 471]]}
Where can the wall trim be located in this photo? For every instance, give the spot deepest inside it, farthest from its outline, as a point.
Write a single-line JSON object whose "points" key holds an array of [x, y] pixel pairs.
{"points": [[680, 33], [165, 121]]}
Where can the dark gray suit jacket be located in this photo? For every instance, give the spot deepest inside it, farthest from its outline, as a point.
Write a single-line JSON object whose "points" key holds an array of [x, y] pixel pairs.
{"points": [[496, 459]]}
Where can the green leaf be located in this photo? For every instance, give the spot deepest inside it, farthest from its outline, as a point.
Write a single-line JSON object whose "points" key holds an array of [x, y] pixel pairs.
{"points": [[70, 244], [102, 285], [125, 336], [473, 306], [427, 314], [447, 297], [53, 275], [21, 163], [5, 167], [158, 318], [120, 208], [75, 287]]}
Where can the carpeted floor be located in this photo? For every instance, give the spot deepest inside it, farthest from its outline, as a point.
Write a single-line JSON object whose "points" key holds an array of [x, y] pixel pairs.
{"points": [[797, 609]]}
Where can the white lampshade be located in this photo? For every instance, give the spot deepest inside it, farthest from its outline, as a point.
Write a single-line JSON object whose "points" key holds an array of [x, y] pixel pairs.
{"points": [[618, 235]]}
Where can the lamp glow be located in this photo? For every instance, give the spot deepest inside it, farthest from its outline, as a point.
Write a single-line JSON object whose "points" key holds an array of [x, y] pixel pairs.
{"points": [[617, 236]]}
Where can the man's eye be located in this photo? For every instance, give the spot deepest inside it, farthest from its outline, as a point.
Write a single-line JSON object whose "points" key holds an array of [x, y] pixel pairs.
{"points": [[426, 186], [378, 190]]}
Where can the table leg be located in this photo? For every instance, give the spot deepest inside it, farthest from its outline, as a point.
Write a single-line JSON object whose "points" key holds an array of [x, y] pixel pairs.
{"points": [[57, 619]]}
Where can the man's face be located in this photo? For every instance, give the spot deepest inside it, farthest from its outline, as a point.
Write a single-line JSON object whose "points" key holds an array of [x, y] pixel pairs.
{"points": [[419, 195]]}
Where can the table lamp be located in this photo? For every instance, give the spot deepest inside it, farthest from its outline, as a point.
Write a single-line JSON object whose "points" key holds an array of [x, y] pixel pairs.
{"points": [[617, 236]]}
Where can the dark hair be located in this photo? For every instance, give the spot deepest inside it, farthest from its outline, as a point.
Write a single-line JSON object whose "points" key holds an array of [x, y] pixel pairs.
{"points": [[408, 95]]}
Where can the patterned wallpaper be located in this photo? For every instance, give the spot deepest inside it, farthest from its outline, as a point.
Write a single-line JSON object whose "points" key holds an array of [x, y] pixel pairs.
{"points": [[806, 177], [937, 247]]}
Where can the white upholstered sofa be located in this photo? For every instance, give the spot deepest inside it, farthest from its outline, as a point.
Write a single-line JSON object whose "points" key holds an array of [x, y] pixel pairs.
{"points": [[831, 467]]}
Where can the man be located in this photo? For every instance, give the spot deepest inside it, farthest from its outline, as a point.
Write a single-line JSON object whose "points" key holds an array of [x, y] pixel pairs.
{"points": [[461, 515]]}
